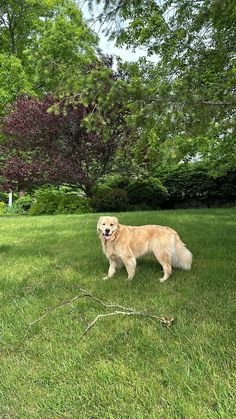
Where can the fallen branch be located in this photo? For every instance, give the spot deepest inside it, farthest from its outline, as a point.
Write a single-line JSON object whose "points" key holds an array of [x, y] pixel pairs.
{"points": [[167, 321], [107, 305], [164, 320], [117, 310], [49, 310]]}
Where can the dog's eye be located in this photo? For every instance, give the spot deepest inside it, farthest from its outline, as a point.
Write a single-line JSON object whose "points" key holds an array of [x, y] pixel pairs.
{"points": [[103, 224], [112, 225]]}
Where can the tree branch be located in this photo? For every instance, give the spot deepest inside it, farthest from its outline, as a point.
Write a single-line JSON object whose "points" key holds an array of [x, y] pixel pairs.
{"points": [[49, 310], [117, 310], [189, 101]]}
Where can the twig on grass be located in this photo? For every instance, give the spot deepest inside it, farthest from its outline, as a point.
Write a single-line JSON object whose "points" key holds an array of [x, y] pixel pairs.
{"points": [[50, 309], [125, 310], [167, 321], [164, 320], [107, 305], [117, 310]]}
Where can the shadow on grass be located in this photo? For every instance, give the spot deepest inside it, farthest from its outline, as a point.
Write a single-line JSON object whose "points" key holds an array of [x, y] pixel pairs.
{"points": [[5, 248]]}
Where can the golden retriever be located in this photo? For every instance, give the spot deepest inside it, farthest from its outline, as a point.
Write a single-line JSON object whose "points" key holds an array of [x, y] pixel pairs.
{"points": [[123, 244]]}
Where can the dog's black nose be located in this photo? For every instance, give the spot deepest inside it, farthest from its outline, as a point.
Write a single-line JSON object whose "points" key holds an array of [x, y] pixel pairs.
{"points": [[107, 230]]}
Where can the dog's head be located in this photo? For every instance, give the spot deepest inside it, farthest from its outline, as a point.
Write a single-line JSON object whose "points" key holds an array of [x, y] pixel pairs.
{"points": [[107, 227]]}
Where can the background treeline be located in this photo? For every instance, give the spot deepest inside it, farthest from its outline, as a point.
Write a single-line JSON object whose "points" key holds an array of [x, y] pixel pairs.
{"points": [[185, 186]]}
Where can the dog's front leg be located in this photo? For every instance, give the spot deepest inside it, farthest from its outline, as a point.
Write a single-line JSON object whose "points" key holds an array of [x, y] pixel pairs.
{"points": [[130, 264], [112, 269]]}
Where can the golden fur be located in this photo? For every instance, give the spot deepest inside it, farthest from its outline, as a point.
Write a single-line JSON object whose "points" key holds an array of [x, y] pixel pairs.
{"points": [[123, 244]]}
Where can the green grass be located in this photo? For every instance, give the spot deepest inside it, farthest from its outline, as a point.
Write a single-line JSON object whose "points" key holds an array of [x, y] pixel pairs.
{"points": [[125, 367]]}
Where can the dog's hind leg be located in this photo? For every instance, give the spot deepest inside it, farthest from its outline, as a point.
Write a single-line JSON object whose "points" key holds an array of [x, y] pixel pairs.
{"points": [[165, 261]]}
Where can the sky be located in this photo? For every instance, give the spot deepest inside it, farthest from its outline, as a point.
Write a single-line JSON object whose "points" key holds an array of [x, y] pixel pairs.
{"points": [[109, 47]]}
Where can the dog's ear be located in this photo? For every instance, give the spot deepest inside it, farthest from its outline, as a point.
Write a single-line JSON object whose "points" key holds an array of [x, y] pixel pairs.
{"points": [[98, 225], [116, 220], [117, 231]]}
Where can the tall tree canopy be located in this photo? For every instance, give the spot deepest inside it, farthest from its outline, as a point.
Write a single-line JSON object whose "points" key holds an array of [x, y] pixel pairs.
{"points": [[184, 105], [51, 40]]}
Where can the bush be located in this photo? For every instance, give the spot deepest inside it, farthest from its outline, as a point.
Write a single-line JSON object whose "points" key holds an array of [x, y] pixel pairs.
{"points": [[46, 202], [4, 197], [24, 203], [19, 207], [192, 184], [110, 200], [2, 207], [73, 204], [117, 181], [52, 201], [100, 189], [146, 193]]}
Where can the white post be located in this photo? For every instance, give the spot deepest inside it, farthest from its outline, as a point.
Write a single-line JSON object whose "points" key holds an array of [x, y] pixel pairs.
{"points": [[10, 199]]}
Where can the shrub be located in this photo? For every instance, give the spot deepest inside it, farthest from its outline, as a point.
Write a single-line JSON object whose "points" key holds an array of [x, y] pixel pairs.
{"points": [[24, 203], [46, 202], [110, 200], [100, 189], [192, 182], [13, 210], [146, 193], [4, 197], [2, 206], [52, 201], [117, 181], [73, 204]]}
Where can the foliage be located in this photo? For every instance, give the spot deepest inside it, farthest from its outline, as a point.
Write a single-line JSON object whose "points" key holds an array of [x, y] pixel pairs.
{"points": [[51, 40], [73, 204], [189, 185], [52, 201], [13, 80], [117, 181], [192, 183], [2, 206], [184, 105], [53, 142], [24, 203], [13, 210], [147, 193], [122, 194], [110, 200], [46, 202], [4, 197], [63, 51], [20, 206], [20, 21]]}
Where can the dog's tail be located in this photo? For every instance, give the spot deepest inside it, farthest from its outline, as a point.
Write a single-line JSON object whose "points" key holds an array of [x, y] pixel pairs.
{"points": [[182, 257]]}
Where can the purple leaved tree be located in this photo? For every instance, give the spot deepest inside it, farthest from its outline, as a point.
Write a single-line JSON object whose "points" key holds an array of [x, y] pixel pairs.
{"points": [[44, 146]]}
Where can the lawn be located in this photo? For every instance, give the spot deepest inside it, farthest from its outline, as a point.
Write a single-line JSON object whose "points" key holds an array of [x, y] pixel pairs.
{"points": [[124, 367]]}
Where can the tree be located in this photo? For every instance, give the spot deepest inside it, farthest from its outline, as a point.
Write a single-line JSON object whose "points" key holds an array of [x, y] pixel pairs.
{"points": [[13, 81], [51, 142], [51, 41], [20, 20], [63, 51], [184, 106]]}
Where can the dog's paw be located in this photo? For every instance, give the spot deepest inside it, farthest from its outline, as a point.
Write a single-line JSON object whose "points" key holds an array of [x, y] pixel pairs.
{"points": [[105, 278], [162, 279]]}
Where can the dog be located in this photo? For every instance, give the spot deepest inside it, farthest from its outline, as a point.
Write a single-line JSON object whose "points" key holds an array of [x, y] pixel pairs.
{"points": [[124, 244]]}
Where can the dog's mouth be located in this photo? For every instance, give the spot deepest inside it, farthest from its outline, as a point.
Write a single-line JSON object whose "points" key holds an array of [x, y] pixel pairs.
{"points": [[107, 236]]}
